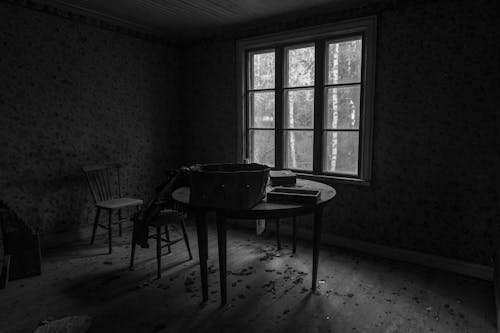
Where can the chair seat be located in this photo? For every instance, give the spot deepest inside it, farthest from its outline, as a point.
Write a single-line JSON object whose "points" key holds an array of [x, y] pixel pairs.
{"points": [[119, 203], [166, 216]]}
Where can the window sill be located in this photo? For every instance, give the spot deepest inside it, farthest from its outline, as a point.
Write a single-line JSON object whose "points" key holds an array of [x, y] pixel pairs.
{"points": [[334, 179]]}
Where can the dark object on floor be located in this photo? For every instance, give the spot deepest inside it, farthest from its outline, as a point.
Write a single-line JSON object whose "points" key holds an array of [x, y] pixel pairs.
{"points": [[159, 327], [282, 178], [24, 248], [228, 186], [108, 196], [73, 324], [293, 195], [160, 211], [21, 243], [4, 271]]}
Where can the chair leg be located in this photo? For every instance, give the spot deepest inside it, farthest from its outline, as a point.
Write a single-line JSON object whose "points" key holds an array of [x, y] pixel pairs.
{"points": [[294, 234], [132, 250], [96, 222], [158, 251], [167, 236], [110, 234], [120, 222], [278, 241], [186, 239]]}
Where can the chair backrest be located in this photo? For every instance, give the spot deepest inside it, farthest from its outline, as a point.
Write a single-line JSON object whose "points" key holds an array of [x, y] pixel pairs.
{"points": [[100, 180], [162, 197], [175, 179]]}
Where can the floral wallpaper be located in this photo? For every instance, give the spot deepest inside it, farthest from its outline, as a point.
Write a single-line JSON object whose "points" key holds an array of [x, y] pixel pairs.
{"points": [[73, 94], [76, 92]]}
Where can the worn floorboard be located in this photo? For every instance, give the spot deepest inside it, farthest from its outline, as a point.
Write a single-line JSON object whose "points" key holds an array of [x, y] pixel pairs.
{"points": [[268, 291]]}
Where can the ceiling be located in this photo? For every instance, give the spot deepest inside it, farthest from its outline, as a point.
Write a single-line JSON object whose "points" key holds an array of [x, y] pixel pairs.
{"points": [[187, 19]]}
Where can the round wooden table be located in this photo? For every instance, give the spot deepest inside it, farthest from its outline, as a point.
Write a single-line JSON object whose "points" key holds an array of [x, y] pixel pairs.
{"points": [[263, 210]]}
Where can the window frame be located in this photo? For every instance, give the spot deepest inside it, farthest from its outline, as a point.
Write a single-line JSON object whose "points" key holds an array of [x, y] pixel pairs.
{"points": [[319, 36], [247, 128]]}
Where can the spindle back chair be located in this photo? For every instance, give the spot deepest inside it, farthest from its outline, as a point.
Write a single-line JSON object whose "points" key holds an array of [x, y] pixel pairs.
{"points": [[105, 185], [99, 178]]}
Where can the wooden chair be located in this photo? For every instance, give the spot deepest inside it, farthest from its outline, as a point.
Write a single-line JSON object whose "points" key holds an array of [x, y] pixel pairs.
{"points": [[175, 213], [107, 196]]}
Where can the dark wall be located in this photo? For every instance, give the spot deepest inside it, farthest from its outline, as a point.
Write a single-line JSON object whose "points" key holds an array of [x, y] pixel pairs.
{"points": [[208, 102], [73, 94], [436, 151]]}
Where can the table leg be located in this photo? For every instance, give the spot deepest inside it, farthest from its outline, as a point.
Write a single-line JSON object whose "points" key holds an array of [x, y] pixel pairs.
{"points": [[222, 238], [201, 228], [278, 241], [496, 282], [316, 240]]}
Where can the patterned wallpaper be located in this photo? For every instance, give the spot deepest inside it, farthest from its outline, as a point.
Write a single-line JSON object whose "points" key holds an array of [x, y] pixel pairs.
{"points": [[73, 94], [436, 151]]}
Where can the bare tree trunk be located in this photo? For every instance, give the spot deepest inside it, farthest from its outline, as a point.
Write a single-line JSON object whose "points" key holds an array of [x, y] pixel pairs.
{"points": [[335, 116], [292, 138]]}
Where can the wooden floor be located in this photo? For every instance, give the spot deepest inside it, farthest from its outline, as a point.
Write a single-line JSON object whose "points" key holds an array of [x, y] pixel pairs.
{"points": [[268, 292]]}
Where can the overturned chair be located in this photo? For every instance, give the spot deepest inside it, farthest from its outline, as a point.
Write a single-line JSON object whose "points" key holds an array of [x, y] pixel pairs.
{"points": [[159, 212]]}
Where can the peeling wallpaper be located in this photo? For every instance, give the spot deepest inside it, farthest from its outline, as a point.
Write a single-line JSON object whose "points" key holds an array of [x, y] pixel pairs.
{"points": [[72, 94], [436, 137]]}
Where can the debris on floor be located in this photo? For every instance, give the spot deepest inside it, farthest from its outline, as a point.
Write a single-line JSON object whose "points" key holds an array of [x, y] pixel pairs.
{"points": [[243, 272], [274, 292], [72, 324]]}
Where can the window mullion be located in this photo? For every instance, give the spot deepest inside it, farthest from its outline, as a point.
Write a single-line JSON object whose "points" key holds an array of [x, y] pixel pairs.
{"points": [[319, 67], [246, 120], [278, 108]]}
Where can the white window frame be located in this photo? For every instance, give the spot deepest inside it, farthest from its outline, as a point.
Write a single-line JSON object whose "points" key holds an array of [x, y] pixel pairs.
{"points": [[367, 27]]}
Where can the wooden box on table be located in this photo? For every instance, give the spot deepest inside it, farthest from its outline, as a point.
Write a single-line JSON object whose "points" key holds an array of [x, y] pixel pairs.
{"points": [[228, 186]]}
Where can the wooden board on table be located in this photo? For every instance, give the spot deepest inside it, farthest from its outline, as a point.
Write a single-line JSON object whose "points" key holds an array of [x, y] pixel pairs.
{"points": [[293, 195]]}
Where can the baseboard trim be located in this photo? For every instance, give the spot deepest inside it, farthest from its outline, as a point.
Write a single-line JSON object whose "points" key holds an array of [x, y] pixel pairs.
{"points": [[482, 272], [447, 264], [58, 239]]}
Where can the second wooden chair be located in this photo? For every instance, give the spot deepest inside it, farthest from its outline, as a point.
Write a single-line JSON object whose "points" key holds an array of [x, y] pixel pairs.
{"points": [[155, 214]]}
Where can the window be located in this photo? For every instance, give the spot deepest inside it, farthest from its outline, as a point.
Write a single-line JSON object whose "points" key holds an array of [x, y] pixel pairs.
{"points": [[306, 100]]}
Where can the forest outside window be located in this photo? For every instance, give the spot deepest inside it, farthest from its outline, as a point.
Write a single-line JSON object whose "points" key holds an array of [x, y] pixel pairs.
{"points": [[307, 100]]}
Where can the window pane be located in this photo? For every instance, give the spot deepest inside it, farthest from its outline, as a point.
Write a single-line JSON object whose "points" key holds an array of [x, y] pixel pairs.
{"points": [[299, 108], [299, 150], [262, 146], [341, 155], [262, 76], [262, 109], [342, 109], [300, 66], [344, 61]]}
